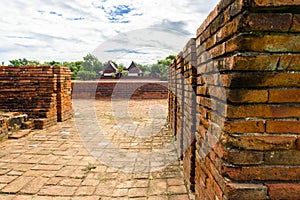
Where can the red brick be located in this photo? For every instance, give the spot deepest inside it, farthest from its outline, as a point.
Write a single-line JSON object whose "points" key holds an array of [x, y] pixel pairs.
{"points": [[240, 157], [296, 23], [237, 191], [289, 62], [35, 185], [212, 15], [283, 127], [264, 43], [247, 96], [275, 2], [262, 111], [249, 63], [284, 96], [16, 185], [268, 22], [244, 126], [289, 158], [262, 173], [260, 143], [236, 7], [284, 191], [228, 30], [57, 191], [260, 80], [218, 50]]}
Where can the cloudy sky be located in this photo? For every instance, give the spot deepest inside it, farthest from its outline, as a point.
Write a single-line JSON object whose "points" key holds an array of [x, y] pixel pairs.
{"points": [[141, 30]]}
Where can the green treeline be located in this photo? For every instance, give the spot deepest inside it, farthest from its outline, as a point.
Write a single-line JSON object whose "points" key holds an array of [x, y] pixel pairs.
{"points": [[90, 67]]}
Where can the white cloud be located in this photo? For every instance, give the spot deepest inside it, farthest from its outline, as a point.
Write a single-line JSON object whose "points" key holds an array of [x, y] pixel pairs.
{"points": [[69, 29]]}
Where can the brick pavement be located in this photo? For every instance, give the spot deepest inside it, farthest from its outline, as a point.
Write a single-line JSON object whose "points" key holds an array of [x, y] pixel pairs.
{"points": [[61, 163]]}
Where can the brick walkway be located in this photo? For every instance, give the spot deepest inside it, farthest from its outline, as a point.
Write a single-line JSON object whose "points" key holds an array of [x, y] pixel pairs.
{"points": [[57, 163]]}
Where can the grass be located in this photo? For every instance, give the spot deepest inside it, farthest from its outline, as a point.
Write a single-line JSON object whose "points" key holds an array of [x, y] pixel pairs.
{"points": [[88, 168]]}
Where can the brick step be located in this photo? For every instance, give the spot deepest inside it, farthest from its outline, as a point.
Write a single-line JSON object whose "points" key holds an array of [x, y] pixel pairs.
{"points": [[14, 125], [28, 125], [19, 134]]}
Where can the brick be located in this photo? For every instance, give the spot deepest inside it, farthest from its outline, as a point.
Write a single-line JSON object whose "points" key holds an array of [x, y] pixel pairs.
{"points": [[283, 127], [262, 173], [289, 62], [215, 179], [236, 7], [284, 96], [177, 189], [267, 22], [228, 30], [261, 111], [35, 185], [85, 190], [218, 50], [16, 185], [284, 190], [260, 80], [266, 3], [244, 126], [240, 157], [247, 96], [296, 23], [259, 143], [57, 191], [265, 43], [212, 15], [237, 191], [179, 197], [141, 192], [7, 179], [243, 62], [289, 158]]}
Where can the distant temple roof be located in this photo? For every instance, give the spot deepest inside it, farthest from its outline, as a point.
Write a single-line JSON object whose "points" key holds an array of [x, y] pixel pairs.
{"points": [[110, 68], [134, 69]]}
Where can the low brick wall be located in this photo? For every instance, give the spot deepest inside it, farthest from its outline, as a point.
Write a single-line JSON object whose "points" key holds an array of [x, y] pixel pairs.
{"points": [[136, 89], [243, 68], [43, 93], [3, 128]]}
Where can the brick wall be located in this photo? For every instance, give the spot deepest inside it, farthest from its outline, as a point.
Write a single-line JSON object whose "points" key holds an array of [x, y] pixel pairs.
{"points": [[43, 93], [137, 89], [247, 102], [3, 128]]}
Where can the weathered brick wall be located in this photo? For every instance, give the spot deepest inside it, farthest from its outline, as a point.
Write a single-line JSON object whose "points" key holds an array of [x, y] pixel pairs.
{"points": [[3, 129], [248, 102], [64, 93], [43, 93], [124, 89]]}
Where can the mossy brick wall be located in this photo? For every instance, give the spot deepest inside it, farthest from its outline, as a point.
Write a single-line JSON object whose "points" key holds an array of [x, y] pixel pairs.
{"points": [[43, 93], [247, 102], [123, 89]]}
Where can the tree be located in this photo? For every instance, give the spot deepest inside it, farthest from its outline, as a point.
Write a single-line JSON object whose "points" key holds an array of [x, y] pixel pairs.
{"points": [[91, 63], [52, 63], [90, 67], [87, 75], [23, 62], [162, 65], [145, 68], [74, 67]]}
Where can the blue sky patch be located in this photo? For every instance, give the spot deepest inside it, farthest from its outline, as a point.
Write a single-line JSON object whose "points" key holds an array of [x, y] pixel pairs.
{"points": [[75, 18], [125, 51], [120, 10], [55, 13]]}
